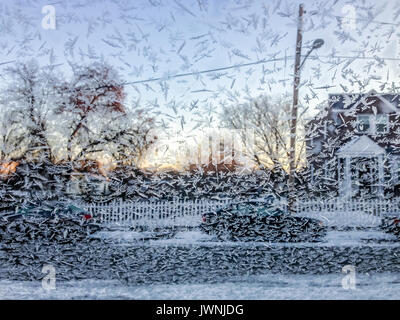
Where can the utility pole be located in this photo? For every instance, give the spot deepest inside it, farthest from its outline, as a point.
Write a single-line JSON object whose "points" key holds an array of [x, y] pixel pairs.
{"points": [[293, 119]]}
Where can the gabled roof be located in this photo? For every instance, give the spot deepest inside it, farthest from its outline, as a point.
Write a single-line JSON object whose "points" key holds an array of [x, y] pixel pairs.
{"points": [[345, 101], [361, 146]]}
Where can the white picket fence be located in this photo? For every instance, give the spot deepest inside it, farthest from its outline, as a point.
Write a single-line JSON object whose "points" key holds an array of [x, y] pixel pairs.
{"points": [[180, 212], [372, 206], [340, 212]]}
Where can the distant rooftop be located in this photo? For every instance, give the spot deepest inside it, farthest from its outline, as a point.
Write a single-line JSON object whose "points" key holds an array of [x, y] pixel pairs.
{"points": [[348, 100]]}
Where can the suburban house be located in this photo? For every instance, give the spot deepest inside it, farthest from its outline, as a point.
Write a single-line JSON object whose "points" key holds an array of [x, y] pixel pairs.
{"points": [[88, 175], [353, 146], [224, 160]]}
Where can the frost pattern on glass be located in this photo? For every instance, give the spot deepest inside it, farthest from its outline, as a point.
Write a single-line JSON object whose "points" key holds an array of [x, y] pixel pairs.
{"points": [[158, 141]]}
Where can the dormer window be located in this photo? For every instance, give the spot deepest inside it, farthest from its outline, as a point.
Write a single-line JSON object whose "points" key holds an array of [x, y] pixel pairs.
{"points": [[363, 123], [372, 124], [381, 123]]}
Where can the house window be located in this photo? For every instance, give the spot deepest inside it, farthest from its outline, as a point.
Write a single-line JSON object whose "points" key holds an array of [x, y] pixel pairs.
{"points": [[368, 123], [381, 123], [363, 123], [397, 171]]}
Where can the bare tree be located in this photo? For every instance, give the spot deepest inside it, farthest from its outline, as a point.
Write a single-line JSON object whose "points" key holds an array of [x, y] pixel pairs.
{"points": [[93, 90], [100, 121], [13, 136], [125, 137], [26, 105], [269, 120]]}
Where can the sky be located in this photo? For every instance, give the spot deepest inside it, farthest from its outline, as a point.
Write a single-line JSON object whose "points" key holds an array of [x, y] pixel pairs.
{"points": [[146, 39]]}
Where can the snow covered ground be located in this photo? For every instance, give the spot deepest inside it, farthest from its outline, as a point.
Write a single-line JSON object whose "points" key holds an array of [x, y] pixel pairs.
{"points": [[345, 218], [373, 237], [368, 247], [267, 286]]}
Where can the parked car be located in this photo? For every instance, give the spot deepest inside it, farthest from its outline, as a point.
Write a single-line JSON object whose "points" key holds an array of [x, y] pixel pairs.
{"points": [[61, 223], [258, 220], [391, 224]]}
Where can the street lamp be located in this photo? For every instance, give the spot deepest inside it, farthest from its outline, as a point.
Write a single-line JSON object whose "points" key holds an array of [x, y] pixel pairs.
{"points": [[293, 123], [318, 43]]}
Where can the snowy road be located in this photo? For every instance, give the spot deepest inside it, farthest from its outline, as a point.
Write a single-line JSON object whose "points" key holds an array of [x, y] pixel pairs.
{"points": [[192, 258], [266, 286], [334, 238]]}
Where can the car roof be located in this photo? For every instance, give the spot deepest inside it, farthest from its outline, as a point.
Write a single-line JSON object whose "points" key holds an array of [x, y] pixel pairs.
{"points": [[255, 202], [252, 201]]}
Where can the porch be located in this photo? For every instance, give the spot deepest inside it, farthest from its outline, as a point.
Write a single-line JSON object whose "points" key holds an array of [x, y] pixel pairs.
{"points": [[360, 168]]}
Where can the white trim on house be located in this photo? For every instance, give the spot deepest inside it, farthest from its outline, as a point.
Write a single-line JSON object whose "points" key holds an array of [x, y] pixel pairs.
{"points": [[361, 146], [395, 169], [369, 94], [388, 103]]}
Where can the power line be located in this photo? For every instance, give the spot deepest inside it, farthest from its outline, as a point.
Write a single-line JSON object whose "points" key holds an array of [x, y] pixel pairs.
{"points": [[7, 62], [194, 73], [254, 63], [368, 20], [357, 57], [206, 71]]}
